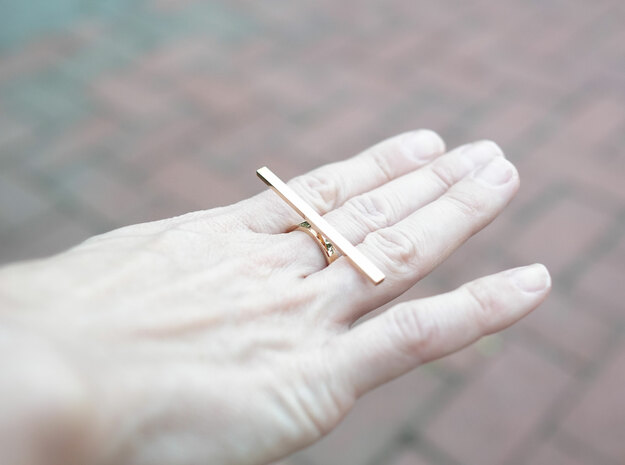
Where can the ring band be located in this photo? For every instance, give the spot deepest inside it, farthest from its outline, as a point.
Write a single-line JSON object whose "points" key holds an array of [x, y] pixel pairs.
{"points": [[329, 251], [328, 232]]}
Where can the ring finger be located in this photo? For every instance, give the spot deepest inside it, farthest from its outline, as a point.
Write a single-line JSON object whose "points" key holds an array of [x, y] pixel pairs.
{"points": [[411, 248], [393, 201]]}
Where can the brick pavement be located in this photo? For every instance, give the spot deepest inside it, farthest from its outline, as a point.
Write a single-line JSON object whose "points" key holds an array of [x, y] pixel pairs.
{"points": [[171, 104]]}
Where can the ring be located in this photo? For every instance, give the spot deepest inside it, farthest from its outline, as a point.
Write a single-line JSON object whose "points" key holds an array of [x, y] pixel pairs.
{"points": [[328, 249], [323, 232]]}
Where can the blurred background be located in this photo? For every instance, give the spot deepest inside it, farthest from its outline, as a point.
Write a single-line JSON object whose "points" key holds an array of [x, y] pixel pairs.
{"points": [[121, 111]]}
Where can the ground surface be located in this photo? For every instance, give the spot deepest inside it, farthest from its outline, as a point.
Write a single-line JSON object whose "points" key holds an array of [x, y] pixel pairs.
{"points": [[118, 112]]}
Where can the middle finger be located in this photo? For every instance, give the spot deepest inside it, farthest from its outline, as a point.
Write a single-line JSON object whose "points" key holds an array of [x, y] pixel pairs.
{"points": [[393, 201]]}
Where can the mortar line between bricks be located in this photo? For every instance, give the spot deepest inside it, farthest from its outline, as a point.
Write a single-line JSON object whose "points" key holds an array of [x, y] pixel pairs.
{"points": [[527, 213], [475, 113], [552, 417], [537, 343], [400, 440], [540, 204], [69, 205], [433, 453], [587, 36], [542, 131], [455, 383], [406, 435], [569, 277], [573, 446], [419, 444]]}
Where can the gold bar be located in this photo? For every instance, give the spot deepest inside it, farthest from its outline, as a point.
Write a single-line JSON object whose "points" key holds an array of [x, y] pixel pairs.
{"points": [[362, 263]]}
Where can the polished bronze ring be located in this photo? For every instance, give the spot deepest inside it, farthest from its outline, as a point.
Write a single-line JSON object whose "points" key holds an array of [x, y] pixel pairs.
{"points": [[329, 234], [327, 248]]}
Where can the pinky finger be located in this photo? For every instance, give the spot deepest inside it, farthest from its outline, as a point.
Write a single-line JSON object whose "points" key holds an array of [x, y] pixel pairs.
{"points": [[419, 331]]}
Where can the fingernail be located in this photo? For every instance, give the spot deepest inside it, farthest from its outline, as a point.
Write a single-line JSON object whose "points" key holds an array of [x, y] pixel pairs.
{"points": [[482, 151], [532, 278], [425, 144], [496, 173]]}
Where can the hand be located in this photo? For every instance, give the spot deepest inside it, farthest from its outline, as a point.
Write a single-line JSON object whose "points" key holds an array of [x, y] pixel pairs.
{"points": [[217, 337]]}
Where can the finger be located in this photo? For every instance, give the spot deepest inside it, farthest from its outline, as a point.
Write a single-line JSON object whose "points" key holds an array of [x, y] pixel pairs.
{"points": [[411, 248], [419, 331], [329, 186], [391, 202], [395, 200]]}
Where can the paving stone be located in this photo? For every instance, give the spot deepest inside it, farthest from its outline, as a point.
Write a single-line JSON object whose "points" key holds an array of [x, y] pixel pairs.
{"points": [[599, 418], [197, 187], [77, 143], [131, 96], [603, 280], [552, 454], [20, 199], [570, 326], [493, 414], [550, 239], [409, 457], [98, 189]]}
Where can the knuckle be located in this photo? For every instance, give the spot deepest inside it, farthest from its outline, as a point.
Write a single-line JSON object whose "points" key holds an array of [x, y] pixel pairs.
{"points": [[414, 332], [320, 188], [399, 251], [372, 210], [484, 301], [470, 204], [443, 173], [383, 163]]}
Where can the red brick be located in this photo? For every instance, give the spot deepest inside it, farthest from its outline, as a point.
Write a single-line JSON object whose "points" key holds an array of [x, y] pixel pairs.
{"points": [[195, 186], [409, 457], [475, 357], [11, 134], [561, 234], [98, 189], [222, 98], [177, 58], [507, 123], [172, 5], [133, 96], [599, 418], [21, 199], [593, 124], [580, 153], [569, 326], [75, 144], [493, 415], [552, 454], [157, 207], [603, 280], [333, 136], [175, 139], [287, 88], [460, 76], [34, 57]]}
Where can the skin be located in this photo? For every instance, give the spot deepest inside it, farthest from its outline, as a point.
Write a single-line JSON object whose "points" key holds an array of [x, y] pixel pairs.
{"points": [[218, 337]]}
